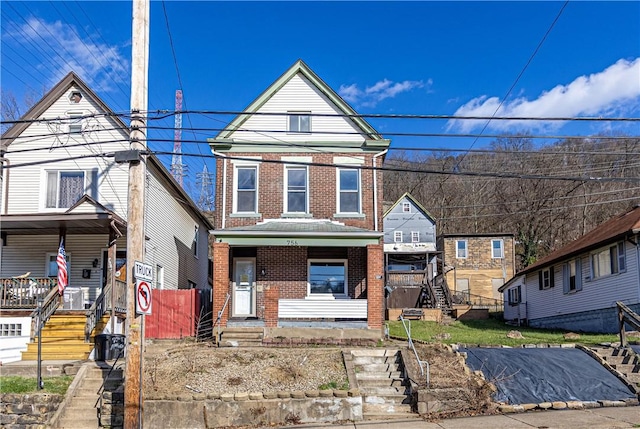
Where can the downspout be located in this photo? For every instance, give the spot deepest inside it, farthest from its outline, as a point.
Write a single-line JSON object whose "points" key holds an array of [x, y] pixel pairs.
{"points": [[224, 188], [375, 188], [5, 179]]}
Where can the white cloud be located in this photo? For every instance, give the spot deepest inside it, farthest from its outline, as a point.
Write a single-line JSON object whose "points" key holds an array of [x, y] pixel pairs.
{"points": [[100, 65], [610, 92], [372, 95]]}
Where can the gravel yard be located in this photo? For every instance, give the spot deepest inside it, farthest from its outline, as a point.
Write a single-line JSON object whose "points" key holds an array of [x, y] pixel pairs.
{"points": [[200, 368]]}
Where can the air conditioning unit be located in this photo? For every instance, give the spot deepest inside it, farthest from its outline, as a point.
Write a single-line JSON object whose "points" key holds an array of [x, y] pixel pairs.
{"points": [[73, 299]]}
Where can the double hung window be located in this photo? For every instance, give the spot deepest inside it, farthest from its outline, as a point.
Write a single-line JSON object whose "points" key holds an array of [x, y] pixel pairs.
{"points": [[349, 190], [296, 190], [461, 249], [65, 188], [246, 189]]}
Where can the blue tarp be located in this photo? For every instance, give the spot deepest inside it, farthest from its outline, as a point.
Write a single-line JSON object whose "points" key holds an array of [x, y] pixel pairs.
{"points": [[525, 376]]}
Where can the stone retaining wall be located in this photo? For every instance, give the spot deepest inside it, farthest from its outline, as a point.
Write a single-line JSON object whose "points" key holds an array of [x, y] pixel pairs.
{"points": [[257, 408], [27, 411]]}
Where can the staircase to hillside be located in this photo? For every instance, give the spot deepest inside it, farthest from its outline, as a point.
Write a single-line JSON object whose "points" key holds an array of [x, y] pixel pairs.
{"points": [[82, 411], [62, 339], [380, 377], [241, 337], [623, 360], [442, 297]]}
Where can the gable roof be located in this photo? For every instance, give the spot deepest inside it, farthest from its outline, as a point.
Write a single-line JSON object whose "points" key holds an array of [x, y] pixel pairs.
{"points": [[38, 109], [415, 202], [612, 230], [299, 67], [54, 94]]}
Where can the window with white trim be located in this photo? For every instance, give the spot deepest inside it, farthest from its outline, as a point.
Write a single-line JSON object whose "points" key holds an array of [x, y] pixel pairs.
{"points": [[514, 295], [415, 236], [607, 261], [461, 249], [349, 190], [65, 188], [572, 276], [296, 186], [245, 189], [545, 278], [497, 249], [196, 240], [406, 208], [327, 277], [397, 236], [299, 122], [75, 122]]}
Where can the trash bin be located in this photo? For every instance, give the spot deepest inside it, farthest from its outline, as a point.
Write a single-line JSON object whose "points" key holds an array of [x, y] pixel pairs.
{"points": [[109, 346]]}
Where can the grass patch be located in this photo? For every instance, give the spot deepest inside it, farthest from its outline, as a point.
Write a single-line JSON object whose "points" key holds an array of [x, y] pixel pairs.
{"points": [[490, 332], [17, 384], [334, 385]]}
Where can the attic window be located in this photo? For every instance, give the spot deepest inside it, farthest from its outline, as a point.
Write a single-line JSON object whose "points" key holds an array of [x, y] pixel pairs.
{"points": [[406, 207], [75, 97], [299, 122], [75, 122]]}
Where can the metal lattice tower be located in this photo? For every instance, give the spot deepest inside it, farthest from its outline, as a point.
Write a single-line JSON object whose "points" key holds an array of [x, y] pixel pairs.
{"points": [[205, 181], [178, 169]]}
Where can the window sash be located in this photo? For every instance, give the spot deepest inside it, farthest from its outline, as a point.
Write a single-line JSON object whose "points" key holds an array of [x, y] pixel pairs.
{"points": [[299, 123], [397, 236], [65, 188], [497, 249], [246, 189], [461, 249], [327, 278], [296, 193], [415, 236], [406, 207], [608, 261], [349, 186]]}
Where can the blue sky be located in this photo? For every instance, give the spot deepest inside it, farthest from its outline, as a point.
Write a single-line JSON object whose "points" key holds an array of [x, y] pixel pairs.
{"points": [[408, 58]]}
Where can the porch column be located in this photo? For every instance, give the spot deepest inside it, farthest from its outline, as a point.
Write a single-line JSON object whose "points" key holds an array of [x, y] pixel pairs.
{"points": [[271, 297], [220, 280], [375, 284]]}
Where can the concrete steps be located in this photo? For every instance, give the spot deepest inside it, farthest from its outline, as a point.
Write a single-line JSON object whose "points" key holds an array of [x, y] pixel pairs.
{"points": [[81, 412], [241, 337], [622, 360], [380, 377]]}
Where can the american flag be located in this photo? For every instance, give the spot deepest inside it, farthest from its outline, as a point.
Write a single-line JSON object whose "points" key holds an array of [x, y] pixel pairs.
{"points": [[61, 260]]}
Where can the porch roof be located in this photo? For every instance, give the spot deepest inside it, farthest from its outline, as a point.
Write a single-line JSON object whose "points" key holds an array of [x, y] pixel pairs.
{"points": [[305, 233], [52, 223]]}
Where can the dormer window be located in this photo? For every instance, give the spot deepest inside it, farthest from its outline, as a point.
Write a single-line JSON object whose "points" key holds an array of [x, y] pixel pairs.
{"points": [[299, 122], [75, 97]]}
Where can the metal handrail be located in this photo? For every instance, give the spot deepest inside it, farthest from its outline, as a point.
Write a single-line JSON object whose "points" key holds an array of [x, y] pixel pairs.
{"points": [[219, 318], [43, 313], [421, 363], [465, 297], [102, 304]]}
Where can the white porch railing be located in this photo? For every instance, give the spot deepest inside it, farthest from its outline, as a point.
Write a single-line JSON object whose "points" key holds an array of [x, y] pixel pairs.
{"points": [[319, 308]]}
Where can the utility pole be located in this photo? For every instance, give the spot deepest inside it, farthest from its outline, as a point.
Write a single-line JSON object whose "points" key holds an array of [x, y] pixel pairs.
{"points": [[133, 397]]}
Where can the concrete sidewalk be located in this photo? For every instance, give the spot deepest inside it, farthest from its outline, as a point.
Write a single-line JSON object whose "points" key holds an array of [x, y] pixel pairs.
{"points": [[593, 418]]}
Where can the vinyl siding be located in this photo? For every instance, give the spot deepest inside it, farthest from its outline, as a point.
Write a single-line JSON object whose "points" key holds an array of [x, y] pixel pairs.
{"points": [[170, 228], [595, 294], [27, 184], [298, 95]]}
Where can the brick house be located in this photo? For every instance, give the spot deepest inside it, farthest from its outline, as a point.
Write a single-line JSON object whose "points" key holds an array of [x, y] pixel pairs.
{"points": [[476, 265], [298, 233]]}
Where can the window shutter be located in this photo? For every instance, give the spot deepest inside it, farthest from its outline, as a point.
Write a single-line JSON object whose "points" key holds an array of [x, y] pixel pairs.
{"points": [[540, 285], [566, 274], [578, 274], [551, 282]]}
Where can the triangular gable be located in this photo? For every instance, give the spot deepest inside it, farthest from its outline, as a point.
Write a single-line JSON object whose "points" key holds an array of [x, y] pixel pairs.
{"points": [[300, 67], [38, 109], [415, 203]]}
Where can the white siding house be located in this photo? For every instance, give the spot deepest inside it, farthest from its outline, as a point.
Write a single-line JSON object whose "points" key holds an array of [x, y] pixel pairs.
{"points": [[577, 286], [60, 182]]}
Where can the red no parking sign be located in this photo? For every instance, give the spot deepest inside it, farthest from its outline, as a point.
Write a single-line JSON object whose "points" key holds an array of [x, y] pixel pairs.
{"points": [[143, 297]]}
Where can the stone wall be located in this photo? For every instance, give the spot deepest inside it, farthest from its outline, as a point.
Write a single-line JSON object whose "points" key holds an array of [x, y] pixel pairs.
{"points": [[27, 411], [250, 409]]}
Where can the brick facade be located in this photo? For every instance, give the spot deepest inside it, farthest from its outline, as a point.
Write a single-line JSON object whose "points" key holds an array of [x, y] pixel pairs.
{"points": [[375, 281], [221, 279]]}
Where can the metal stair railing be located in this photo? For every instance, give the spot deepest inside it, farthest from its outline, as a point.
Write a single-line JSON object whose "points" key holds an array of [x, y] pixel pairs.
{"points": [[102, 304], [478, 301], [41, 315], [421, 363], [219, 318]]}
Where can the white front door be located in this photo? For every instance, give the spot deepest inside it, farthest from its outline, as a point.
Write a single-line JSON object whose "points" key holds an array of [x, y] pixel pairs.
{"points": [[244, 277]]}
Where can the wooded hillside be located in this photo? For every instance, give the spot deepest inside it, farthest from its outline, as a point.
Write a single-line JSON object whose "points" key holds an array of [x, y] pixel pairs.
{"points": [[546, 195]]}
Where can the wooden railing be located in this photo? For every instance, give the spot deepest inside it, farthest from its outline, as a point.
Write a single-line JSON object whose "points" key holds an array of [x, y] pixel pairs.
{"points": [[102, 304], [626, 315], [23, 293], [406, 278]]}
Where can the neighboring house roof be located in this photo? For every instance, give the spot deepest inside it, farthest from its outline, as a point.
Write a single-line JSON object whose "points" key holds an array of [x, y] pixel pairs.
{"points": [[72, 79], [300, 67], [612, 230], [414, 201]]}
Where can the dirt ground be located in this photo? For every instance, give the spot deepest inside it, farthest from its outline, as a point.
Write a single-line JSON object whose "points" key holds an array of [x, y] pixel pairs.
{"points": [[187, 367]]}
